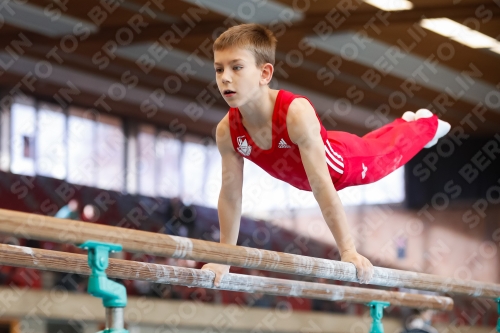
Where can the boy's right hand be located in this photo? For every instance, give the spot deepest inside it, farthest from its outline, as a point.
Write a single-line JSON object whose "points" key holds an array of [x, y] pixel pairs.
{"points": [[364, 268], [219, 271]]}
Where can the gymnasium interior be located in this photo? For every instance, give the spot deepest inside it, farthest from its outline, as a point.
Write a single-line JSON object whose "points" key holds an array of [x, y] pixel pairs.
{"points": [[109, 110]]}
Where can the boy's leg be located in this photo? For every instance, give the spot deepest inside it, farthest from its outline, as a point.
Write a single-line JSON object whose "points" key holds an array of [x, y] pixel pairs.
{"points": [[381, 131], [382, 151]]}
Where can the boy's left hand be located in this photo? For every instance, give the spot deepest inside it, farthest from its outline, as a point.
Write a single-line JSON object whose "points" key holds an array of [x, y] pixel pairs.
{"points": [[364, 267]]}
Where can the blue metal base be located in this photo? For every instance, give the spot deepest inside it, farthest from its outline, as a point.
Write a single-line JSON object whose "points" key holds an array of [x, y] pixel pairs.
{"points": [[377, 312], [113, 294]]}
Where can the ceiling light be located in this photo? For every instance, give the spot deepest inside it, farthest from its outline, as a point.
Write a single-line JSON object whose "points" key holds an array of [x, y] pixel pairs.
{"points": [[391, 5], [496, 48], [461, 33]]}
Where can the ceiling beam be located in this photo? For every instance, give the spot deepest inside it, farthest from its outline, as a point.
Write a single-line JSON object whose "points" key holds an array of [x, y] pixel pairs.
{"points": [[353, 19]]}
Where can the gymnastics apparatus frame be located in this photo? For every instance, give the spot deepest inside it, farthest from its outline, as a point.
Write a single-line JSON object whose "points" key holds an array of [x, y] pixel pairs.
{"points": [[100, 240]]}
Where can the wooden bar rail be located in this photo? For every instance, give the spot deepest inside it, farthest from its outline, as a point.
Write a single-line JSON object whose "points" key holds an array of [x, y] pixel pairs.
{"points": [[12, 255], [48, 228]]}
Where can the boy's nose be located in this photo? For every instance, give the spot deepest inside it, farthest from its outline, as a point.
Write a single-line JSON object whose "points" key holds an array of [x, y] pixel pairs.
{"points": [[226, 78]]}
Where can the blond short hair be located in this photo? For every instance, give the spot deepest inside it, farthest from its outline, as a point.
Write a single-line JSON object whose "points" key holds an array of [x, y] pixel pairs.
{"points": [[255, 37]]}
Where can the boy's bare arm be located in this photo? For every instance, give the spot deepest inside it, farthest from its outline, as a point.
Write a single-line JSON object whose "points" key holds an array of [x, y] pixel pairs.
{"points": [[304, 130], [230, 197]]}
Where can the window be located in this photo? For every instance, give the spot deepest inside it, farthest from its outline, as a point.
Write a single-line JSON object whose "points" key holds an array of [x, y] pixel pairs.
{"points": [[262, 192], [89, 149], [352, 196], [147, 160], [299, 199], [214, 176], [390, 189], [81, 147], [23, 115], [168, 151], [110, 153], [193, 172], [51, 142]]}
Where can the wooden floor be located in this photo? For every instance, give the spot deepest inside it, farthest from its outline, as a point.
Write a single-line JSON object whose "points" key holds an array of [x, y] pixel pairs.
{"points": [[34, 308]]}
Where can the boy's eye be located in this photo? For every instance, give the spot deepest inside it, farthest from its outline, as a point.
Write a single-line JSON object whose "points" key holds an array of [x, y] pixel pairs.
{"points": [[236, 68], [218, 70]]}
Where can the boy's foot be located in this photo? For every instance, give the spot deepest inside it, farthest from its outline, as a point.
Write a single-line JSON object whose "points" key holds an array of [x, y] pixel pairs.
{"points": [[423, 113], [442, 129], [408, 116]]}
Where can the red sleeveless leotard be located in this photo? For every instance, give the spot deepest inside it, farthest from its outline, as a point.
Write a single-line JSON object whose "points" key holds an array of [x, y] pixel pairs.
{"points": [[351, 160], [282, 160]]}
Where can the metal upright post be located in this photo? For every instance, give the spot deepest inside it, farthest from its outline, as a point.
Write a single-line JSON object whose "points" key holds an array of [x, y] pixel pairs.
{"points": [[113, 294], [377, 312]]}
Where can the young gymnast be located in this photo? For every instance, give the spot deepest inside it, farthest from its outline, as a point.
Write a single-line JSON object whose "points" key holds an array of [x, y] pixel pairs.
{"points": [[281, 132]]}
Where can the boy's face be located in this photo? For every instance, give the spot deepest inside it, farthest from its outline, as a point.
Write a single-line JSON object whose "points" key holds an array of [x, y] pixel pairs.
{"points": [[237, 74]]}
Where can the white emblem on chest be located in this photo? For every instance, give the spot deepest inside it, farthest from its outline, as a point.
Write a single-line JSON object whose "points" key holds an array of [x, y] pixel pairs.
{"points": [[243, 146]]}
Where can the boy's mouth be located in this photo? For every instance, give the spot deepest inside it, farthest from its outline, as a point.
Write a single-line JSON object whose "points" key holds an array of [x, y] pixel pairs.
{"points": [[229, 93]]}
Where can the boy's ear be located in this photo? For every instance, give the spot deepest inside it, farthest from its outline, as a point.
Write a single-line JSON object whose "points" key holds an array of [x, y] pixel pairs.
{"points": [[266, 75]]}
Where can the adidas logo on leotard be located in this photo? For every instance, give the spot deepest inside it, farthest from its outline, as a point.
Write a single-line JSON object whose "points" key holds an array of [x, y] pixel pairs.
{"points": [[283, 144]]}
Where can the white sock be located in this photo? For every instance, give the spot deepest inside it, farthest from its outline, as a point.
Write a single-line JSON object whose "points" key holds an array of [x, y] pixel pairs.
{"points": [[408, 116], [442, 129], [423, 113]]}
